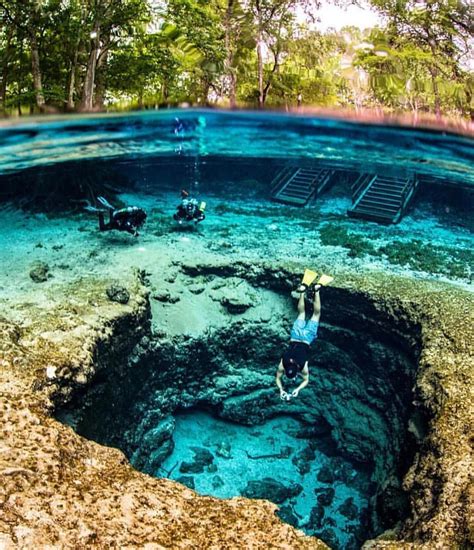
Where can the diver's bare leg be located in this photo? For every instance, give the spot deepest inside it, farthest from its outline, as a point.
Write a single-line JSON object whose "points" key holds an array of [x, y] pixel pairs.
{"points": [[301, 307], [316, 305], [102, 225]]}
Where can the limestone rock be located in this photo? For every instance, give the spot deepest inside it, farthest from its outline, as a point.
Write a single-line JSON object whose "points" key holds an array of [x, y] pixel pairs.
{"points": [[186, 480], [118, 293], [202, 459], [349, 509], [288, 516], [303, 460], [272, 490], [39, 272], [166, 297], [325, 474], [316, 517], [325, 496]]}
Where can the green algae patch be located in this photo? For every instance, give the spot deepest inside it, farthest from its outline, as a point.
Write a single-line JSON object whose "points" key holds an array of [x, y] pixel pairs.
{"points": [[429, 258], [336, 235]]}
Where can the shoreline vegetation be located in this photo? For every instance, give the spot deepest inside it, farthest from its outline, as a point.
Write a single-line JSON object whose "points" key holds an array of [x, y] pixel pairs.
{"points": [[83, 56]]}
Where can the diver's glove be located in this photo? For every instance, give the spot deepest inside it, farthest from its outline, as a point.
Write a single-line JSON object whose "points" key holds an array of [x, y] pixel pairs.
{"points": [[295, 393], [284, 396]]}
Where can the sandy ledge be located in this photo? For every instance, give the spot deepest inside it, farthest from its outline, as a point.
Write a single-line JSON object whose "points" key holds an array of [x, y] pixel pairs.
{"points": [[59, 490]]}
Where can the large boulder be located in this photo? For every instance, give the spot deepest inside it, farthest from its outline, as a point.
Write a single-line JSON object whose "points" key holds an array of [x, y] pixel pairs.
{"points": [[272, 490]]}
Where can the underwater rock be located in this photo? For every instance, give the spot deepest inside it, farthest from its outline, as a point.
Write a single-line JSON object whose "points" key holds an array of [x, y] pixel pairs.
{"points": [[316, 517], [186, 480], [156, 445], [287, 515], [118, 293], [325, 496], [217, 482], [272, 490], [39, 272], [236, 303], [349, 509], [325, 474], [196, 289], [166, 297], [303, 459], [328, 536], [223, 450], [202, 459], [392, 502]]}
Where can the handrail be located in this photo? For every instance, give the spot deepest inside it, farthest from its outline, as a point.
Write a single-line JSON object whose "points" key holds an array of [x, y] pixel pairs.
{"points": [[358, 185], [278, 179], [408, 190]]}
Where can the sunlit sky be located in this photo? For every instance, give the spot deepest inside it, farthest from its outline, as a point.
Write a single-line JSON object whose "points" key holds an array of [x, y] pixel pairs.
{"points": [[336, 17]]}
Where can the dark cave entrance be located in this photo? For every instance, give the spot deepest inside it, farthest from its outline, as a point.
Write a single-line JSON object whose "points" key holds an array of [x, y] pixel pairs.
{"points": [[346, 437]]}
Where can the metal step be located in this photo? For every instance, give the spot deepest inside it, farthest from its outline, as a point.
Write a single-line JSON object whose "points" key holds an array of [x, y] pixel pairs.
{"points": [[376, 197], [298, 185], [376, 206]]}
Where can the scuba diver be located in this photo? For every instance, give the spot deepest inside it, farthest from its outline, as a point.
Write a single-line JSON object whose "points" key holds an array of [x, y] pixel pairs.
{"points": [[129, 219], [189, 210], [294, 360]]}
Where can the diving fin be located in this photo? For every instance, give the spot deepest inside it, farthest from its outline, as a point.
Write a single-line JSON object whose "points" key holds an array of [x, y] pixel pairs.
{"points": [[308, 277], [202, 206], [105, 202], [93, 209], [325, 280]]}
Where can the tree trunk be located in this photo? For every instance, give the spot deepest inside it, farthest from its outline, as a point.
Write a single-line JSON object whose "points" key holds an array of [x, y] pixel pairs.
{"points": [[437, 99], [101, 82], [89, 80], [232, 90], [36, 70], [261, 97], [230, 54], [5, 71], [72, 78]]}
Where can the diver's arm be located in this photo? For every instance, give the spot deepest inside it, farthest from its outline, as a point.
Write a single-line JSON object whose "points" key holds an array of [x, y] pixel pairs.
{"points": [[279, 374], [305, 374], [129, 228]]}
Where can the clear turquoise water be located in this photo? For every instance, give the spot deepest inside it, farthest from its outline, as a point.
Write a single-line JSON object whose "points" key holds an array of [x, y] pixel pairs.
{"points": [[229, 160], [140, 137]]}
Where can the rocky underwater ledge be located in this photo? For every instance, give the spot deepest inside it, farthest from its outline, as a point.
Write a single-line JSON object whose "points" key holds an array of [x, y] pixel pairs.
{"points": [[385, 343]]}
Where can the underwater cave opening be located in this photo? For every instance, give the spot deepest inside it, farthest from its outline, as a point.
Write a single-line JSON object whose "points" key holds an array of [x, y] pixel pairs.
{"points": [[204, 411]]}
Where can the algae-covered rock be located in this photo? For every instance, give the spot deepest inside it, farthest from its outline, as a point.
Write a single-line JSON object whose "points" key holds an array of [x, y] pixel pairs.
{"points": [[202, 458], [118, 293], [349, 509], [325, 474], [186, 480], [325, 496], [288, 516], [39, 272], [272, 490]]}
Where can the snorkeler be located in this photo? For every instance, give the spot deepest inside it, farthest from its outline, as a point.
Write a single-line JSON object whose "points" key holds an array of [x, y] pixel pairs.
{"points": [[129, 219], [294, 360], [189, 210]]}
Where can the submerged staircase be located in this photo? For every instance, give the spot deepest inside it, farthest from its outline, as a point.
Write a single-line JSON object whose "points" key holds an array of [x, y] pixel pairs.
{"points": [[382, 199], [297, 186]]}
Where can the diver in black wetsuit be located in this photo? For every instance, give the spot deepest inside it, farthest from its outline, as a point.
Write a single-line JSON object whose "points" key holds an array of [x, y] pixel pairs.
{"points": [[189, 210], [128, 219]]}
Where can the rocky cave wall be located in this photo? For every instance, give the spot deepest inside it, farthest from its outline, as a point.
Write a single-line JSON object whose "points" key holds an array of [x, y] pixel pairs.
{"points": [[60, 489], [362, 374]]}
